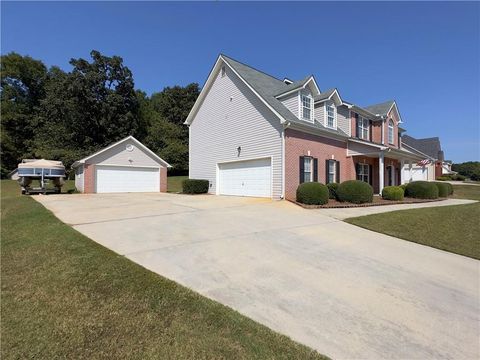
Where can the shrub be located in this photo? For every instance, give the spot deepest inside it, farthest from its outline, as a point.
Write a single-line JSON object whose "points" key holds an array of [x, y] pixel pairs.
{"points": [[422, 190], [403, 186], [312, 193], [450, 188], [392, 193], [458, 177], [195, 186], [444, 178], [332, 190], [443, 189], [355, 191]]}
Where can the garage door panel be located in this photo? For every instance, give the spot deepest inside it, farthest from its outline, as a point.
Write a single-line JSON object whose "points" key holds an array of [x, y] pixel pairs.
{"points": [[418, 173], [246, 178], [111, 179]]}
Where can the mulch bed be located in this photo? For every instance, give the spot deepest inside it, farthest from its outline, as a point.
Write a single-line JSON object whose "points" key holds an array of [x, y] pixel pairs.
{"points": [[377, 201]]}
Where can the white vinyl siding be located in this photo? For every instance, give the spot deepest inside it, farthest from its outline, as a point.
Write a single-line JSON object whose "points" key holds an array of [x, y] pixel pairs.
{"points": [[115, 179], [79, 178], [231, 116], [290, 101], [343, 119], [118, 155]]}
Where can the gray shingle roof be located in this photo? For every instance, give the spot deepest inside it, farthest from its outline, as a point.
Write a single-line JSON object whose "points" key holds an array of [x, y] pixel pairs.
{"points": [[268, 87], [380, 109], [428, 146], [324, 95]]}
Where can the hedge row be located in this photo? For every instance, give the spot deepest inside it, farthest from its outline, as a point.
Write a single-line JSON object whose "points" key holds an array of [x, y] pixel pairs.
{"points": [[312, 193], [393, 193]]}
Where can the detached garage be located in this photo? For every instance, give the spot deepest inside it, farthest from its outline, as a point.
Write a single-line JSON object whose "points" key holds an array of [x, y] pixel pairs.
{"points": [[126, 166]]}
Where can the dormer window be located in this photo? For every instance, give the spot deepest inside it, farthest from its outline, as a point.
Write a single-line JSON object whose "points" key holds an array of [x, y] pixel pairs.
{"points": [[390, 131], [331, 115], [306, 106]]}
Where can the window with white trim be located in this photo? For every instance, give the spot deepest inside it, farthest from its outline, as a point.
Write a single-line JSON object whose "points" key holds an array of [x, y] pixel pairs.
{"points": [[332, 171], [363, 128], [331, 115], [307, 169], [307, 108], [390, 131], [363, 172]]}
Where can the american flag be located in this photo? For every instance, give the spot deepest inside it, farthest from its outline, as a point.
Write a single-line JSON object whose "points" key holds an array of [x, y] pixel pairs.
{"points": [[423, 162]]}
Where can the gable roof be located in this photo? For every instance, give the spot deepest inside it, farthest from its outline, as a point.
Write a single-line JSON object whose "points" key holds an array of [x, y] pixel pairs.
{"points": [[266, 87], [139, 144], [428, 146], [381, 109]]}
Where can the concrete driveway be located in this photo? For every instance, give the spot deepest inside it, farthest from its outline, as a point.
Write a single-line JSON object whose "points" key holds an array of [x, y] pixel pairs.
{"points": [[348, 292]]}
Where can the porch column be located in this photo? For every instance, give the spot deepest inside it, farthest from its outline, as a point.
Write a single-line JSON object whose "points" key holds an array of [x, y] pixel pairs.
{"points": [[381, 169], [409, 170], [402, 164]]}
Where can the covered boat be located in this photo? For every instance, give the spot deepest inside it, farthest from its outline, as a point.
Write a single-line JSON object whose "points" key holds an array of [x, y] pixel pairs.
{"points": [[42, 170]]}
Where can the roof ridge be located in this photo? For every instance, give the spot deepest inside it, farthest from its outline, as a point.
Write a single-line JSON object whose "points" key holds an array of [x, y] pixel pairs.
{"points": [[251, 67]]}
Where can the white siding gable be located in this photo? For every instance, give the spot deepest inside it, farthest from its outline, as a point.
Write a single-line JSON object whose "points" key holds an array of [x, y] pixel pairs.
{"points": [[231, 116], [291, 103], [118, 155]]}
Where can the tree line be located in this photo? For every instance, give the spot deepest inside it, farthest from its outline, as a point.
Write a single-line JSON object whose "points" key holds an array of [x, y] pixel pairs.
{"points": [[66, 115]]}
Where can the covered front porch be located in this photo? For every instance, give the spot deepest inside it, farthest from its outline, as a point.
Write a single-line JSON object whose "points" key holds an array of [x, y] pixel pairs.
{"points": [[380, 165]]}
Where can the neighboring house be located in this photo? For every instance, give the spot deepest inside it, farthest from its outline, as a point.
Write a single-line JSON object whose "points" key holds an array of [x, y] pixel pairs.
{"points": [[431, 149], [126, 166], [252, 134], [13, 175]]}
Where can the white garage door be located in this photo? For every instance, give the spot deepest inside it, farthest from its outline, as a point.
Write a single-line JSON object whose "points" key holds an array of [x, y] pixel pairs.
{"points": [[246, 178], [418, 173], [112, 179]]}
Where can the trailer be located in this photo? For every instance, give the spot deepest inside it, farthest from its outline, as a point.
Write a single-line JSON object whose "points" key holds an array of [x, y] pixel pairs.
{"points": [[43, 171]]}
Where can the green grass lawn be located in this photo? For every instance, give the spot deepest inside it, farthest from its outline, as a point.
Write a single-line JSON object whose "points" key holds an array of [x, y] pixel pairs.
{"points": [[450, 228], [175, 183], [64, 296]]}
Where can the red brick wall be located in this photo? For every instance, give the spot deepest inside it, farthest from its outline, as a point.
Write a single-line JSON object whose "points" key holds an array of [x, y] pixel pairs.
{"points": [[392, 115], [438, 169], [163, 179], [89, 178], [300, 144], [353, 124], [377, 132]]}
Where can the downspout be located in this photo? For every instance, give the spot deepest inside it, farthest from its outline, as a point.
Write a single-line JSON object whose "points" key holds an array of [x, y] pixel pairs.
{"points": [[283, 158]]}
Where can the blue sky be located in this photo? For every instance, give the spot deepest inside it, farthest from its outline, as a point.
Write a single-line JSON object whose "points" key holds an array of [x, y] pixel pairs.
{"points": [[423, 55]]}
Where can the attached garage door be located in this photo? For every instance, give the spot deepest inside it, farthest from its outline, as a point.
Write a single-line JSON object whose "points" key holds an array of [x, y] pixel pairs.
{"points": [[418, 173], [246, 178], [112, 179]]}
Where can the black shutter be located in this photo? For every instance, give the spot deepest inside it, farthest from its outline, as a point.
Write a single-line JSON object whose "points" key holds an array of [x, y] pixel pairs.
{"points": [[302, 168], [370, 174], [338, 172], [327, 162], [315, 170], [370, 128], [357, 170]]}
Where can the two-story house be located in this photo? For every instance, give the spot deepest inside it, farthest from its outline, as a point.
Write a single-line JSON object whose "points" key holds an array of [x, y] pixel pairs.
{"points": [[251, 134]]}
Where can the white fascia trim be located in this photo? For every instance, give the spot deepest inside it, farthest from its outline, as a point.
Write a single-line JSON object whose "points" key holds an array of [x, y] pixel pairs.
{"points": [[400, 121], [312, 78], [306, 127], [155, 156]]}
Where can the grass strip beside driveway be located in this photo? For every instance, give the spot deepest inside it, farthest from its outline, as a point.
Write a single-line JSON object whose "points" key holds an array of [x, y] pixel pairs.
{"points": [[451, 228], [64, 296]]}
